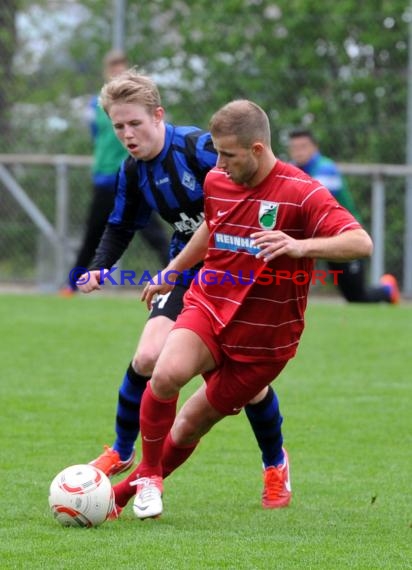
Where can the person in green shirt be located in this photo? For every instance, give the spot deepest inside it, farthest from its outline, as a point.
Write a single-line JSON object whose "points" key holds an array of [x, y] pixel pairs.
{"points": [[304, 152]]}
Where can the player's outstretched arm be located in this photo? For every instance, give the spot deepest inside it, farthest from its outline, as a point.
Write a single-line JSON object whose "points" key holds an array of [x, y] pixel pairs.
{"points": [[352, 244], [194, 252]]}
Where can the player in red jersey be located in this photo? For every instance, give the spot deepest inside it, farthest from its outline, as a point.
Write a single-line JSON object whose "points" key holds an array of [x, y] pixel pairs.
{"points": [[269, 220]]}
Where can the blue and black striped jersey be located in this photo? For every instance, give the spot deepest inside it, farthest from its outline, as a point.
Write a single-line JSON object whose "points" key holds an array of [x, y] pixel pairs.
{"points": [[171, 184]]}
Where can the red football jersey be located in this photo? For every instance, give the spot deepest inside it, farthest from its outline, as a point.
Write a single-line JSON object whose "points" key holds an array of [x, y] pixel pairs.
{"points": [[257, 308]]}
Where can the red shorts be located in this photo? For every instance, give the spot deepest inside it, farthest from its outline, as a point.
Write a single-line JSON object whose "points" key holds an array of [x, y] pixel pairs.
{"points": [[232, 384]]}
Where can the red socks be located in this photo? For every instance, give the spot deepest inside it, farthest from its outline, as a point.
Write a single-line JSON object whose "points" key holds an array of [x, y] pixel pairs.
{"points": [[173, 455], [123, 491], [156, 419], [161, 455]]}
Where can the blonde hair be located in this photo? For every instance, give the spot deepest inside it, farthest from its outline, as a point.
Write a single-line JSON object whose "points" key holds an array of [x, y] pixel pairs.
{"points": [[243, 119], [130, 87]]}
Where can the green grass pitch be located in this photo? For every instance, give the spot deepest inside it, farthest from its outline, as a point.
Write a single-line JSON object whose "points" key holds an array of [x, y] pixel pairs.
{"points": [[347, 405]]}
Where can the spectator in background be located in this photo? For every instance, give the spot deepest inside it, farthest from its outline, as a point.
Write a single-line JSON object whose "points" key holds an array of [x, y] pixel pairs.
{"points": [[108, 154], [304, 152]]}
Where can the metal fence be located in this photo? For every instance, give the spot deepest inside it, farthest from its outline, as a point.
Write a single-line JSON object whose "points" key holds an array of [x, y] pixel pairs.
{"points": [[44, 201]]}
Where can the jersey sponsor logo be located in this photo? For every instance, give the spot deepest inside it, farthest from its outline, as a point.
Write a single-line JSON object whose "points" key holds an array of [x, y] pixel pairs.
{"points": [[268, 212], [164, 180], [189, 180], [235, 243], [187, 225], [221, 213]]}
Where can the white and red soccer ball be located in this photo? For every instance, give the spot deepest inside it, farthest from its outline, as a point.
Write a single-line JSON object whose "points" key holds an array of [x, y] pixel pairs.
{"points": [[82, 496]]}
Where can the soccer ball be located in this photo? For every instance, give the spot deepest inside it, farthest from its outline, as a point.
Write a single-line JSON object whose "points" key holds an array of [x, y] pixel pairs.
{"points": [[81, 495]]}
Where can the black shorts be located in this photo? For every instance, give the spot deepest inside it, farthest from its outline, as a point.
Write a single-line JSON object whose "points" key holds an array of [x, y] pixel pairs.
{"points": [[169, 305]]}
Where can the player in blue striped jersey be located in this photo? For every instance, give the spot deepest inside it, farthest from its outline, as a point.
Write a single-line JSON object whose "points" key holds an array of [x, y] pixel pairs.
{"points": [[108, 153], [165, 173]]}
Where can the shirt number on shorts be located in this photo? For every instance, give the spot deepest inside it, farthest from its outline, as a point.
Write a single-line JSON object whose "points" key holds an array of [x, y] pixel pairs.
{"points": [[162, 300]]}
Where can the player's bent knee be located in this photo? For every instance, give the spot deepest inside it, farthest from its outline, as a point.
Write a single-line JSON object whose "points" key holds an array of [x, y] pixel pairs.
{"points": [[195, 419], [188, 429], [144, 361], [185, 431], [166, 382], [164, 388]]}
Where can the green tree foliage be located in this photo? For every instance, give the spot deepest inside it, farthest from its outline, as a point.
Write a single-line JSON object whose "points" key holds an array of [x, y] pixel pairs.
{"points": [[340, 67], [8, 10]]}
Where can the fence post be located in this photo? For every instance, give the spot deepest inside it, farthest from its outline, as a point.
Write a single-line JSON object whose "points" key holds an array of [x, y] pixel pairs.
{"points": [[407, 253], [407, 256], [378, 228], [62, 209]]}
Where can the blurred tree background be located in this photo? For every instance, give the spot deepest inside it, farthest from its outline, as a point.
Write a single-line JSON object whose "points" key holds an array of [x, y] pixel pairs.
{"points": [[337, 67]]}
